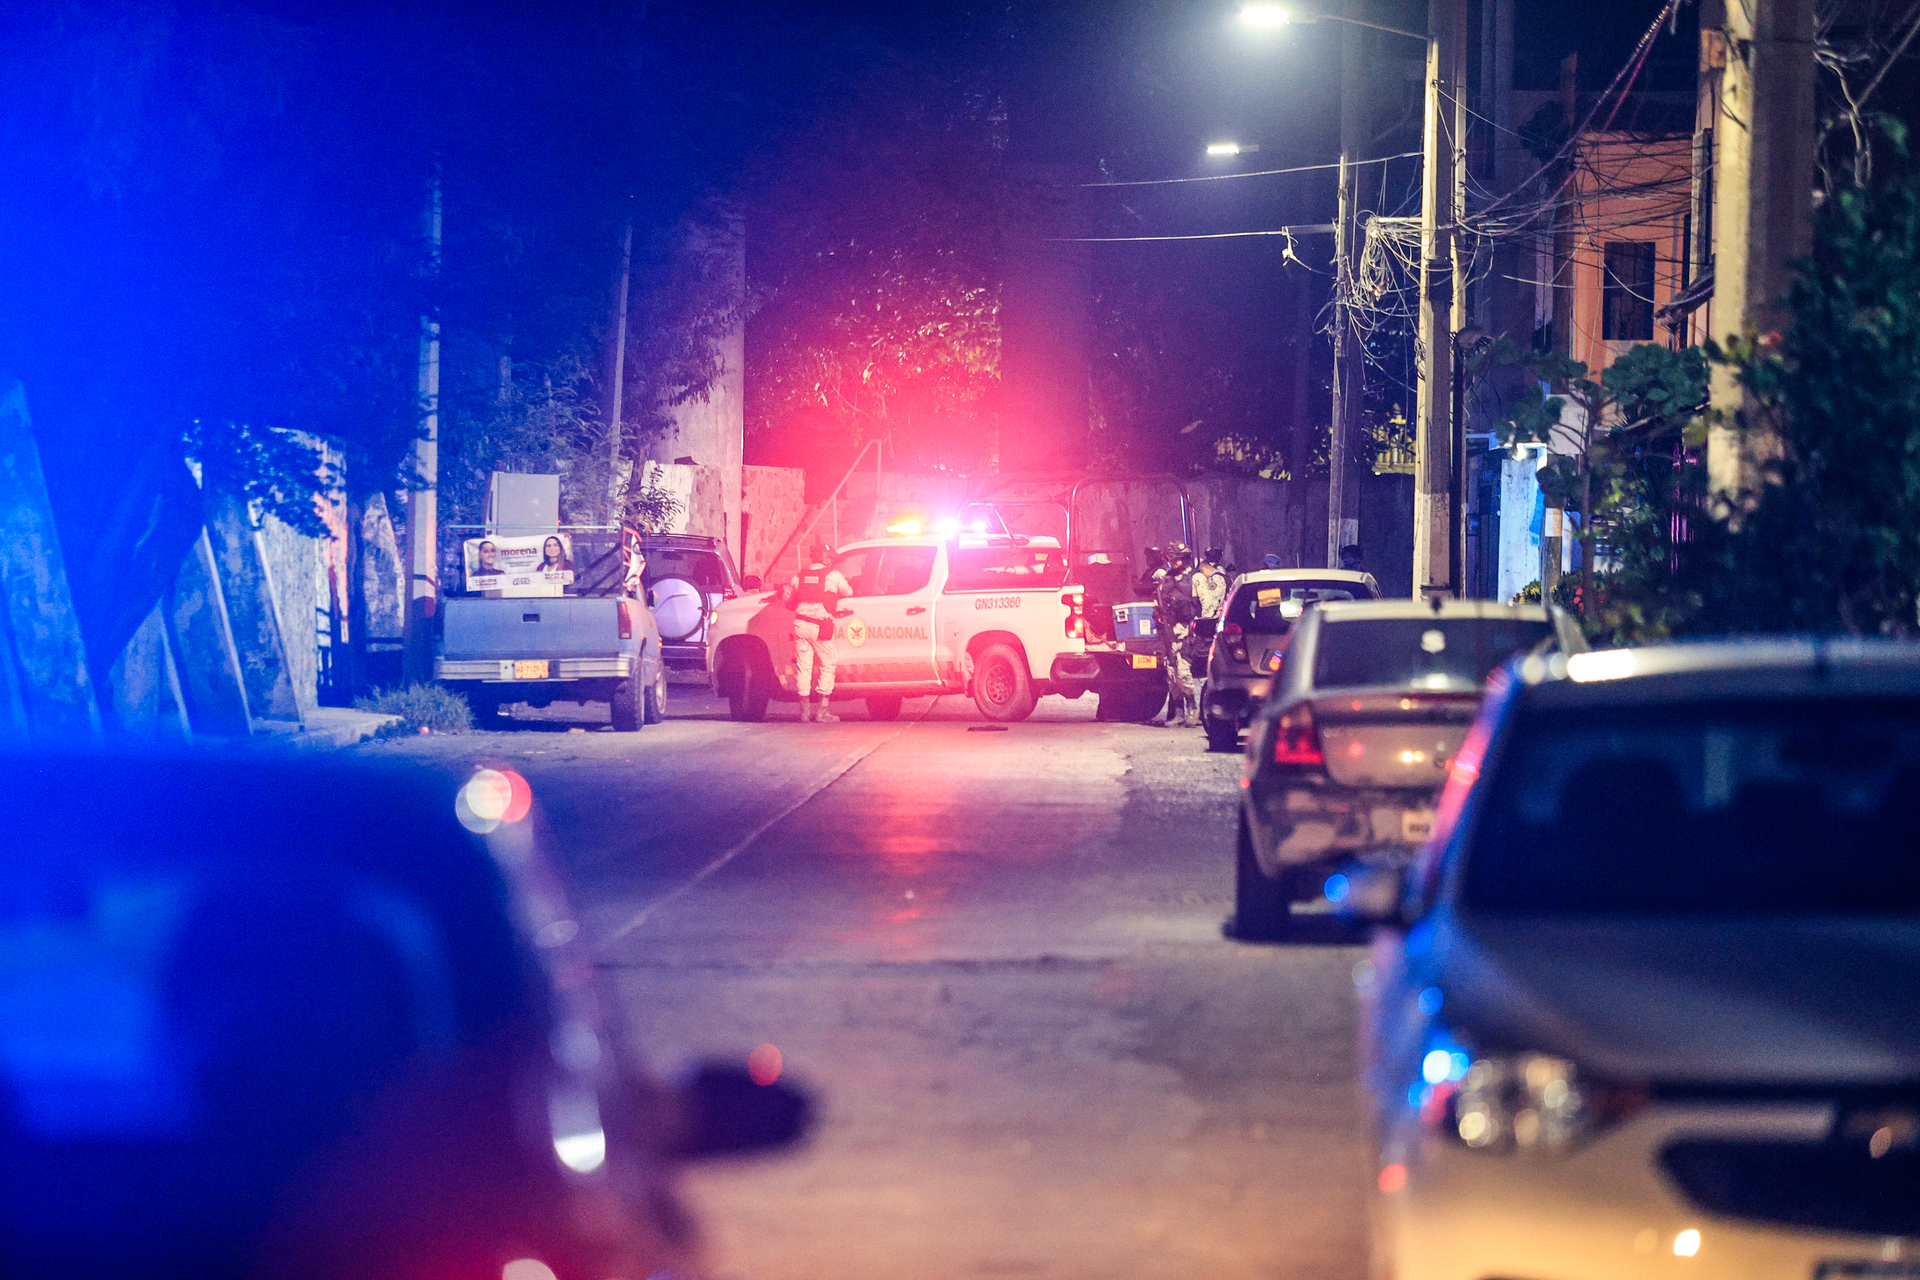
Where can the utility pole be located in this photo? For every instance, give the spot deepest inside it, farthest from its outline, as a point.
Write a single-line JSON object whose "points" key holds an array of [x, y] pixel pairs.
{"points": [[1442, 297], [619, 374], [1763, 205], [1348, 372], [423, 501]]}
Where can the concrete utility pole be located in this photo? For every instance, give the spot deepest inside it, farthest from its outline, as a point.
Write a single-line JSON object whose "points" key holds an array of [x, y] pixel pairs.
{"points": [[423, 502], [1763, 202], [619, 374], [1442, 297], [1348, 372]]}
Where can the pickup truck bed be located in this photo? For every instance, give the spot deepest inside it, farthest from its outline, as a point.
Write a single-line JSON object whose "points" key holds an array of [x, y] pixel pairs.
{"points": [[553, 649]]}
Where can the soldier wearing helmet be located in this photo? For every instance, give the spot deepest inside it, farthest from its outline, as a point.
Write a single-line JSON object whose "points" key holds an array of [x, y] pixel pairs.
{"points": [[1177, 605]]}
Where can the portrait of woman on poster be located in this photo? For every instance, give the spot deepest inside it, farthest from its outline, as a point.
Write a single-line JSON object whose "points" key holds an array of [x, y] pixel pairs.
{"points": [[553, 555]]}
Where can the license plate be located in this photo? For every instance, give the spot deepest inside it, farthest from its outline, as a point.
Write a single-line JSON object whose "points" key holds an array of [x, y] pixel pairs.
{"points": [[1416, 825], [1865, 1269], [530, 669], [1141, 661]]}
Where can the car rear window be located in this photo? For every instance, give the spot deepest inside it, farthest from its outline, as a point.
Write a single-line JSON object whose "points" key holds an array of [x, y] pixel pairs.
{"points": [[1790, 807], [702, 568], [1429, 652], [1273, 607], [1007, 568]]}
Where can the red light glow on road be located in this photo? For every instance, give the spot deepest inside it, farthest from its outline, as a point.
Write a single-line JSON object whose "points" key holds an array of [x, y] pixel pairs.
{"points": [[763, 1064]]}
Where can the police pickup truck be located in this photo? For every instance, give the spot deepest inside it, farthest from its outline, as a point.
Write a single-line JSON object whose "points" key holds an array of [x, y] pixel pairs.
{"points": [[994, 617]]}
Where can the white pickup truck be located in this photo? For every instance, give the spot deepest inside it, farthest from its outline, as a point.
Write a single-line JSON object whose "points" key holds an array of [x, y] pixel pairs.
{"points": [[995, 617]]}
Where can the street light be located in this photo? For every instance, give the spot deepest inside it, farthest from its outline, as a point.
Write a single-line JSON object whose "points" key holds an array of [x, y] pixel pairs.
{"points": [[1279, 15], [1437, 519], [1232, 148]]}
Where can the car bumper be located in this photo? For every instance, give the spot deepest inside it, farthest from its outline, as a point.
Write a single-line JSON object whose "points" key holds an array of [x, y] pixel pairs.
{"points": [[1107, 668], [1234, 698], [680, 656], [501, 670], [1298, 824], [1608, 1211]]}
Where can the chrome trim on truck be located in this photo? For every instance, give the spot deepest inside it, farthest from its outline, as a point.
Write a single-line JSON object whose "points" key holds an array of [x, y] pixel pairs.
{"points": [[500, 670]]}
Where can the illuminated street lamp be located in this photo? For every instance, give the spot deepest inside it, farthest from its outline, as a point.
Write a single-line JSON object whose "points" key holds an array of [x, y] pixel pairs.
{"points": [[1232, 148], [1438, 521]]}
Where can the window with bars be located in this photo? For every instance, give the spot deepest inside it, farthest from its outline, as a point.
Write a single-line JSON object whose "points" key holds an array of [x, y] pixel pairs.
{"points": [[1626, 298]]}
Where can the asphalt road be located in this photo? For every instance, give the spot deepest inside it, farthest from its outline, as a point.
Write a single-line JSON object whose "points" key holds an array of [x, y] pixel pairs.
{"points": [[998, 957]]}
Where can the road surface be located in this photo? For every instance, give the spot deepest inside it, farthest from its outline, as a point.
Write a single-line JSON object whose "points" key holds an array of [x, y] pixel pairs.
{"points": [[997, 955]]}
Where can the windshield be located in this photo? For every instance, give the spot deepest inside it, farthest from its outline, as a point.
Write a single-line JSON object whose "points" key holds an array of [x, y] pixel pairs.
{"points": [[1274, 607], [1781, 807], [702, 568], [1428, 652], [1006, 568]]}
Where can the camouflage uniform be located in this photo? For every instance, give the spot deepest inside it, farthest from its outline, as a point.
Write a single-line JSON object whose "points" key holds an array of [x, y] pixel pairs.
{"points": [[813, 593], [1176, 608]]}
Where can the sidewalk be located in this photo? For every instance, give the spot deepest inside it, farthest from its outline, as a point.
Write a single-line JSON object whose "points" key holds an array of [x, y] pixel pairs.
{"points": [[325, 727]]}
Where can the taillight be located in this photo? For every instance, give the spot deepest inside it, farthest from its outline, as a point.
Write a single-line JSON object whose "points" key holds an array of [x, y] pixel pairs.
{"points": [[1296, 739], [626, 619], [1236, 638], [1076, 622]]}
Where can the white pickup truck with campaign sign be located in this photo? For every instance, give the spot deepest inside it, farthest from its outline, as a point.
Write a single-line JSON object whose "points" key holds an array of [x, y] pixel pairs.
{"points": [[995, 617]]}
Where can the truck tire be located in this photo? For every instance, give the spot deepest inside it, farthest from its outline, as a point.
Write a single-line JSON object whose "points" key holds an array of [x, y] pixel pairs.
{"points": [[748, 691], [628, 700], [1132, 703], [653, 707], [1002, 687], [1262, 906], [882, 707]]}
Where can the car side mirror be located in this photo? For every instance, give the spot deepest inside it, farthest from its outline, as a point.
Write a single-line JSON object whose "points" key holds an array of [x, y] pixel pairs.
{"points": [[726, 1112], [751, 582], [1205, 628]]}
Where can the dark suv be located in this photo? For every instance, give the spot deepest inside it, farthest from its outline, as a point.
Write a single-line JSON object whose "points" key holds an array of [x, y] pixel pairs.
{"points": [[687, 575]]}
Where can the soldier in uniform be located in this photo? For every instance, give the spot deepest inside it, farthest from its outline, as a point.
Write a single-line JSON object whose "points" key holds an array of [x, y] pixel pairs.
{"points": [[1211, 583], [1176, 607], [814, 595]]}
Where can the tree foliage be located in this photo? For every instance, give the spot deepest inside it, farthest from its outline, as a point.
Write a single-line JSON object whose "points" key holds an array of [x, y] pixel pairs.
{"points": [[1830, 542], [875, 255]]}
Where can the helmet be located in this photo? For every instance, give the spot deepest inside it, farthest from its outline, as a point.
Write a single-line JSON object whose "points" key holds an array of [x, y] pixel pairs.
{"points": [[1179, 551]]}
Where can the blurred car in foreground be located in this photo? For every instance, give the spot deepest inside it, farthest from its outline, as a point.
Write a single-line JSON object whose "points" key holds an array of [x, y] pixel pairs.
{"points": [[1250, 634], [1370, 702], [278, 1019], [1648, 1005]]}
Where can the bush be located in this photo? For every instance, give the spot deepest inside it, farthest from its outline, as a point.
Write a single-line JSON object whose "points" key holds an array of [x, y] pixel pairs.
{"points": [[427, 707]]}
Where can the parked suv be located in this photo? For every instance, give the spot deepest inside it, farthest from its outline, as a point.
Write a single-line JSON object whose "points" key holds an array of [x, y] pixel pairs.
{"points": [[1646, 1004], [687, 576], [1368, 707], [1250, 635]]}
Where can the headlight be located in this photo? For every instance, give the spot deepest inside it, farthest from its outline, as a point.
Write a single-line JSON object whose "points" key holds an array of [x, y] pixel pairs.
{"points": [[1534, 1103]]}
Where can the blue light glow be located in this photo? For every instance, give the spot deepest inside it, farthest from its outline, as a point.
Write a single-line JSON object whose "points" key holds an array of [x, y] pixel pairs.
{"points": [[1431, 1000], [1436, 1067], [1338, 887]]}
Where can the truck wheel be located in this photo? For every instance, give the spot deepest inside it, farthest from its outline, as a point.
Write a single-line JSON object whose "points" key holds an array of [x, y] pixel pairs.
{"points": [[1136, 703], [653, 707], [1262, 907], [748, 691], [1002, 689], [627, 700], [883, 708]]}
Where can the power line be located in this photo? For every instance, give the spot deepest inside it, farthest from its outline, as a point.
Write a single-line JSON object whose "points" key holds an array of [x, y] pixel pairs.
{"points": [[1310, 228], [1258, 173]]}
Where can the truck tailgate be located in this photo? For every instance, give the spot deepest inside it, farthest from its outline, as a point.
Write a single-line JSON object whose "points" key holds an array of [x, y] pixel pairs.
{"points": [[543, 627]]}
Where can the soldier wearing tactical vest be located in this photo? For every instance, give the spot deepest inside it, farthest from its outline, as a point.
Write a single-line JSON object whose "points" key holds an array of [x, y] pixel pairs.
{"points": [[814, 595], [1175, 609]]}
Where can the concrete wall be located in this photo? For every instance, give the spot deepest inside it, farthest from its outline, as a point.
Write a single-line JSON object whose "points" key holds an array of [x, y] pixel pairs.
{"points": [[774, 500]]}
